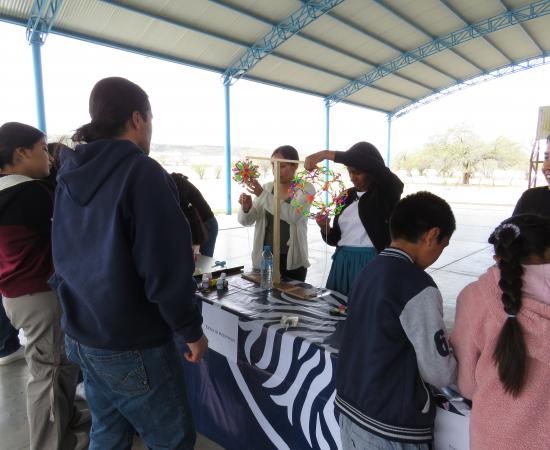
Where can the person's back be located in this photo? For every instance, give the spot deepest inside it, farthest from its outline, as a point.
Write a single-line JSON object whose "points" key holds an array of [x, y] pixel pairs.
{"points": [[508, 386], [537, 200], [394, 340], [124, 274]]}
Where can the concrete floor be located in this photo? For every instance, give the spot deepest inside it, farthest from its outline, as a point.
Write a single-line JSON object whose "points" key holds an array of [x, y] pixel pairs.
{"points": [[467, 256]]}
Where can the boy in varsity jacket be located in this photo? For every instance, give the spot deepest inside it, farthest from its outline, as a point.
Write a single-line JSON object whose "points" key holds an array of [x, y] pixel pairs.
{"points": [[394, 342]]}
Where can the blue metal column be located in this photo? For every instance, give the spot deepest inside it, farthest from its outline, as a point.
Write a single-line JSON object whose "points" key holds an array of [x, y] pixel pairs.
{"points": [[36, 44], [388, 151], [327, 139], [226, 86]]}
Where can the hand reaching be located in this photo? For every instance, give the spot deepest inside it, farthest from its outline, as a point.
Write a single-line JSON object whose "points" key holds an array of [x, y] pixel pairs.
{"points": [[255, 188], [246, 202], [197, 349]]}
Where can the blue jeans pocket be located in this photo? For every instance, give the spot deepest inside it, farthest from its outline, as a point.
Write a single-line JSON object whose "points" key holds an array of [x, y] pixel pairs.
{"points": [[123, 372]]}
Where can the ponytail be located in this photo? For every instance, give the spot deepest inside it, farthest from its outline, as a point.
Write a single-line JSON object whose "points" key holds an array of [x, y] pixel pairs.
{"points": [[510, 353], [514, 240], [94, 131], [112, 103]]}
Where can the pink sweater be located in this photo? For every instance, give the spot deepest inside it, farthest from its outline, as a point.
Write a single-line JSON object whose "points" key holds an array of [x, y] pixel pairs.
{"points": [[498, 420]]}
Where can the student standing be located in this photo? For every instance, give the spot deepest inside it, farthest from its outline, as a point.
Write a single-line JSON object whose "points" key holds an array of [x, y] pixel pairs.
{"points": [[502, 339], [293, 228], [394, 342], [26, 209], [361, 229], [124, 274]]}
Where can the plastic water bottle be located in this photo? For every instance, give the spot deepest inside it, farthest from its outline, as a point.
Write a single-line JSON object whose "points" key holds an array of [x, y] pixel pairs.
{"points": [[266, 269]]}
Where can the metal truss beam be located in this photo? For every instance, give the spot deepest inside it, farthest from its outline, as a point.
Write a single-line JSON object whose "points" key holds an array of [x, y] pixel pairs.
{"points": [[387, 44], [478, 79], [421, 30], [308, 38], [42, 18], [279, 34], [504, 20], [485, 38], [527, 33], [220, 37]]}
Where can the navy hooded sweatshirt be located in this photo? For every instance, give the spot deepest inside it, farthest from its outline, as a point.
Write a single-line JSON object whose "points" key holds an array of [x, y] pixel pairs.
{"points": [[121, 250]]}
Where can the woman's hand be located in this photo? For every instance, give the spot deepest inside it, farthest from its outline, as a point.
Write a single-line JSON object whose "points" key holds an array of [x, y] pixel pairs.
{"points": [[312, 160], [255, 188], [246, 202], [324, 224]]}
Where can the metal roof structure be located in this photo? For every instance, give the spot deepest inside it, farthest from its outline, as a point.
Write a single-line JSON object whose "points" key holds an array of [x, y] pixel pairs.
{"points": [[383, 55], [389, 56]]}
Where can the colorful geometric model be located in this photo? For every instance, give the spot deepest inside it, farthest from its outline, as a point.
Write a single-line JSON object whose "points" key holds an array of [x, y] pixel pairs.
{"points": [[245, 171], [330, 194]]}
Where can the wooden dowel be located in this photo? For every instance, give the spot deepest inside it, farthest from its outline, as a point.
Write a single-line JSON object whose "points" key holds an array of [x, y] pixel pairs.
{"points": [[264, 158], [276, 226]]}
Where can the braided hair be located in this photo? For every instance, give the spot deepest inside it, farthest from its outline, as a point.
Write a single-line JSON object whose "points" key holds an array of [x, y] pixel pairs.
{"points": [[515, 239]]}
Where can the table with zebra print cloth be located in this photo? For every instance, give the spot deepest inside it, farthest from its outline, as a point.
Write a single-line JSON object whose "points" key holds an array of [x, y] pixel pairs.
{"points": [[279, 391]]}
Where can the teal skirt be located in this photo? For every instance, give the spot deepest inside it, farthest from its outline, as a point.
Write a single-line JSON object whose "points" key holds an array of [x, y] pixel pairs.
{"points": [[347, 262]]}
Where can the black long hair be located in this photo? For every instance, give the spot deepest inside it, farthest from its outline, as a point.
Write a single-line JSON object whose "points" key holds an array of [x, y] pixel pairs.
{"points": [[514, 240], [14, 135], [287, 152], [112, 103]]}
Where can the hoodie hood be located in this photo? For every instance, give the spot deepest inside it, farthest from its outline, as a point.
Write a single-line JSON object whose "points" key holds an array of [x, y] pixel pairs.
{"points": [[534, 314], [84, 170], [10, 186], [365, 157]]}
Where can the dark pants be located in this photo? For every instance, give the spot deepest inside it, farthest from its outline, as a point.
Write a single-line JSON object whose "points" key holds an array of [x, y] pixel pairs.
{"points": [[141, 390], [9, 336], [207, 249], [295, 274]]}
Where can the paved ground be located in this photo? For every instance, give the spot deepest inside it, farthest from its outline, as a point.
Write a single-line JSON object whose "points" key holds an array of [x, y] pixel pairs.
{"points": [[477, 212]]}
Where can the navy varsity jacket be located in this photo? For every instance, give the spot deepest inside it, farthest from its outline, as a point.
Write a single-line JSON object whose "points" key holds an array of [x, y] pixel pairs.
{"points": [[394, 343]]}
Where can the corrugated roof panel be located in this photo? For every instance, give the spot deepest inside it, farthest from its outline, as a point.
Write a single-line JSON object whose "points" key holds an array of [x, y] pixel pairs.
{"points": [[515, 42], [482, 53], [18, 8], [474, 10], [540, 29], [343, 41], [425, 75], [431, 15], [452, 64], [212, 17], [315, 54], [374, 18], [277, 11], [402, 86], [377, 99], [350, 39], [276, 70]]}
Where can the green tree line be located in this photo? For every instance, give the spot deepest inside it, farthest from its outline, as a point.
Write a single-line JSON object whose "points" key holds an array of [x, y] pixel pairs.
{"points": [[459, 149]]}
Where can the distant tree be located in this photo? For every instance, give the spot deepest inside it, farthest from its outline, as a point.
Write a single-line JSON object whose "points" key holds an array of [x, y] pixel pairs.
{"points": [[218, 172], [200, 169]]}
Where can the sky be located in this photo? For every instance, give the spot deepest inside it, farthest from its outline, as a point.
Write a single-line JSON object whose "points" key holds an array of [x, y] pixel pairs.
{"points": [[188, 103]]}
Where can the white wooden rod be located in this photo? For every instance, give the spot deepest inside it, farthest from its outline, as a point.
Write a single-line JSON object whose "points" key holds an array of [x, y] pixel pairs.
{"points": [[265, 158]]}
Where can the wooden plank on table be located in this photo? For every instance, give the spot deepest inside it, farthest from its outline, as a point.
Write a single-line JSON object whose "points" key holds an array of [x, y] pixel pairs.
{"points": [[287, 288]]}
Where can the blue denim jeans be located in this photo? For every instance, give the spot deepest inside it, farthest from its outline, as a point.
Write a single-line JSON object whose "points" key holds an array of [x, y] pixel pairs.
{"points": [[356, 438], [135, 390], [207, 249], [9, 336]]}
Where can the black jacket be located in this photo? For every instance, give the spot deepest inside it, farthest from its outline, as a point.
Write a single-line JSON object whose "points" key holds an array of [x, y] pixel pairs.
{"points": [[394, 342], [376, 205]]}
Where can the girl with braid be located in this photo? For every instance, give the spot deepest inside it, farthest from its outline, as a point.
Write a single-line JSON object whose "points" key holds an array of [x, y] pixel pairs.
{"points": [[502, 339]]}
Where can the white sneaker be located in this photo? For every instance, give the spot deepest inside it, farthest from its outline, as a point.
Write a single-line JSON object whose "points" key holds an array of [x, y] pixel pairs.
{"points": [[82, 441], [80, 392], [12, 357]]}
